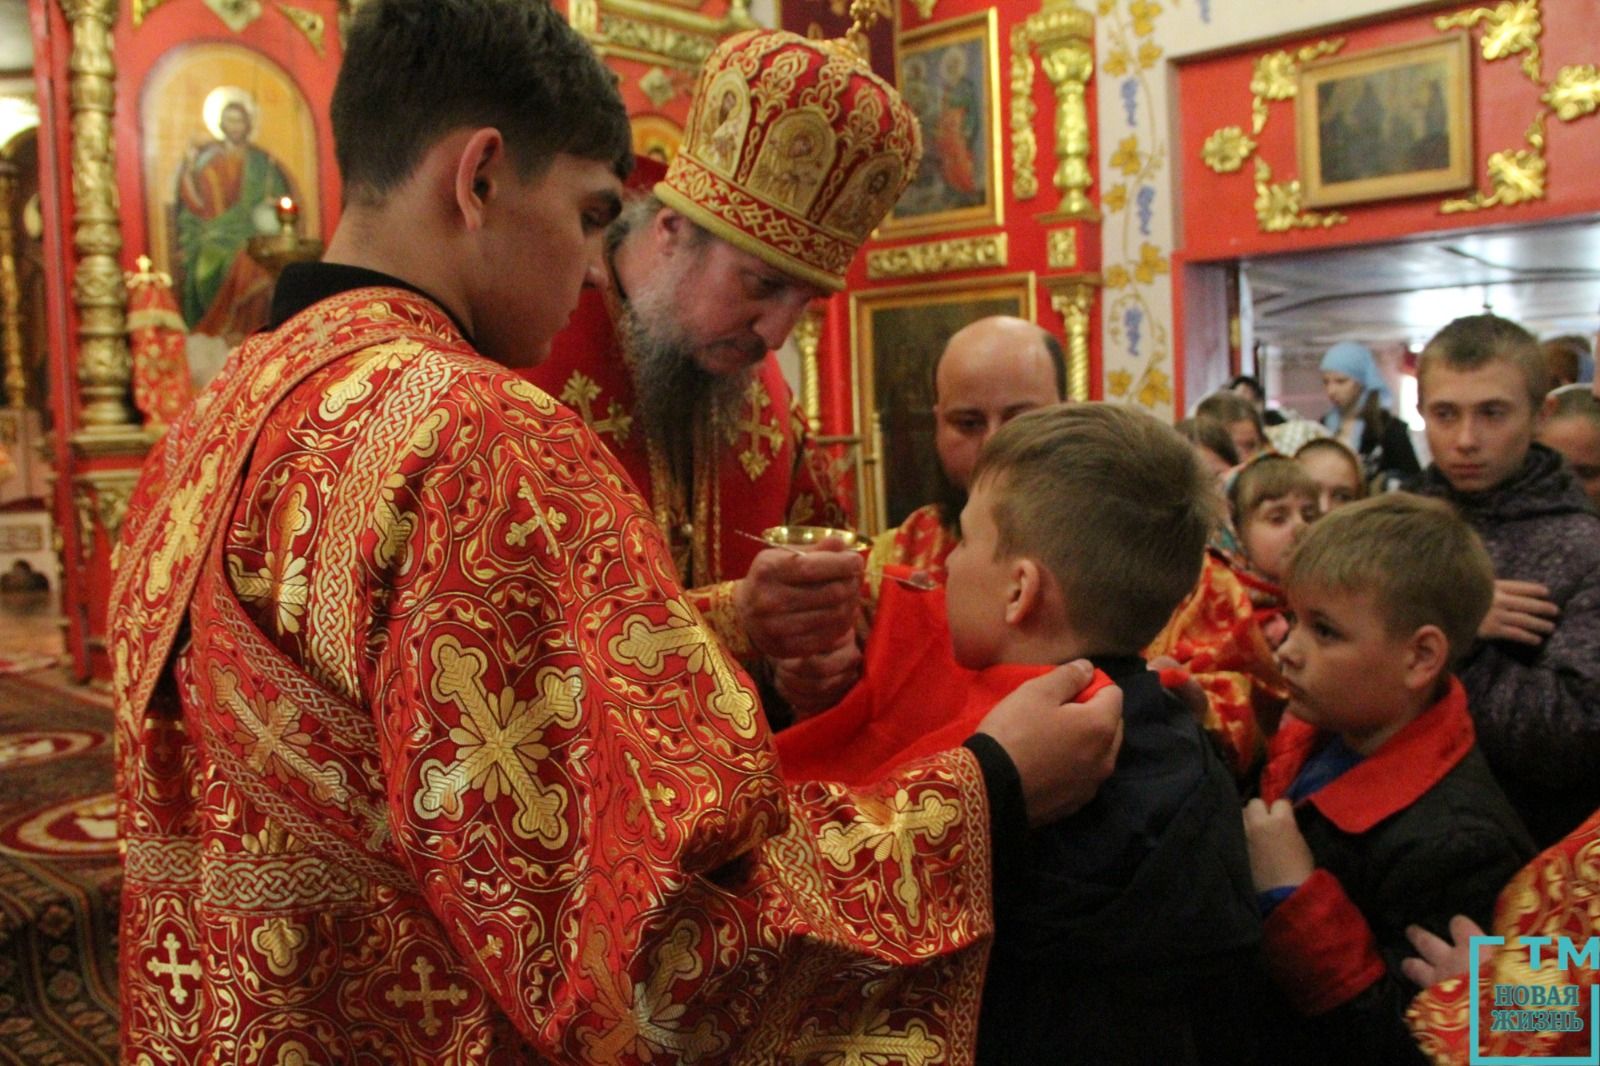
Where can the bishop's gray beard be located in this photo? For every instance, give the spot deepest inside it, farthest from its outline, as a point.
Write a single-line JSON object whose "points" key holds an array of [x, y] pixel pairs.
{"points": [[670, 389]]}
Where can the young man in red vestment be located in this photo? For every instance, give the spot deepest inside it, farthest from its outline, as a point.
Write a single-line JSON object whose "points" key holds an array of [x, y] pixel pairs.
{"points": [[423, 756]]}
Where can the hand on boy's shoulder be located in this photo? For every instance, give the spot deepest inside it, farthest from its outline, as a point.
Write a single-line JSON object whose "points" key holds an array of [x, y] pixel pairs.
{"points": [[1522, 612], [1279, 854], [1062, 750]]}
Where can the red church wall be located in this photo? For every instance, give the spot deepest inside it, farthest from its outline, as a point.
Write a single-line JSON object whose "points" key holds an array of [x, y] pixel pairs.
{"points": [[1218, 212]]}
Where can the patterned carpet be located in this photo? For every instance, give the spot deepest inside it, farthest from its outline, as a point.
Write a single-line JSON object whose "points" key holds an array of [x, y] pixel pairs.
{"points": [[60, 877]]}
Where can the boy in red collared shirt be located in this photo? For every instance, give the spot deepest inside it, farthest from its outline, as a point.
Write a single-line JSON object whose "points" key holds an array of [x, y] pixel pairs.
{"points": [[1377, 810]]}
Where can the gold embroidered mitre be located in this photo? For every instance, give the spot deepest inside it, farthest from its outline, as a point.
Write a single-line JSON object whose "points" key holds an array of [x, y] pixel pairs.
{"points": [[794, 151]]}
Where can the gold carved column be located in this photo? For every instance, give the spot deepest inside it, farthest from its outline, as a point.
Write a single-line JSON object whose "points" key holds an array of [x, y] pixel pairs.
{"points": [[1063, 35], [808, 342], [1072, 297], [15, 378], [104, 367]]}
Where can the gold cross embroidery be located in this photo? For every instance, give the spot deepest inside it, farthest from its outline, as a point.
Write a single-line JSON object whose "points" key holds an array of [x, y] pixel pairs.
{"points": [[649, 796], [580, 392], [182, 532], [280, 940], [269, 725], [355, 385], [647, 647], [891, 828], [426, 994], [498, 741], [272, 727], [517, 535], [645, 1015], [174, 969], [282, 581], [754, 424], [879, 1046]]}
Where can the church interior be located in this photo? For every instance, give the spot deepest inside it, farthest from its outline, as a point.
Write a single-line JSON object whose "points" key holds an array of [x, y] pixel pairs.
{"points": [[1166, 186]]}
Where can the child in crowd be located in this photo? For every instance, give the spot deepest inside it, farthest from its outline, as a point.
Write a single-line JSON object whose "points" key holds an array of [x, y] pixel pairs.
{"points": [[1336, 470], [1271, 502], [1377, 810], [1240, 418], [1211, 442], [1129, 935]]}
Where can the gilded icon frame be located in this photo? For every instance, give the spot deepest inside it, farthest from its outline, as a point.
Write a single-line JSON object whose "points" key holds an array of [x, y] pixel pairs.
{"points": [[1330, 177], [896, 335], [935, 46]]}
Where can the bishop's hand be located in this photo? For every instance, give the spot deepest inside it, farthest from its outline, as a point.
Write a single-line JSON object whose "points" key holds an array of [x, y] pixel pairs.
{"points": [[795, 604]]}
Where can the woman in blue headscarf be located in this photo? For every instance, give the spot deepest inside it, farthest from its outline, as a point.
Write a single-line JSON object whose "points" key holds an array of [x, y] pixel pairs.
{"points": [[1360, 415]]}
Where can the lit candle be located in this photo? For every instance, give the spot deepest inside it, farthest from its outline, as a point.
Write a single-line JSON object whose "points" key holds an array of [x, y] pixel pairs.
{"points": [[288, 212]]}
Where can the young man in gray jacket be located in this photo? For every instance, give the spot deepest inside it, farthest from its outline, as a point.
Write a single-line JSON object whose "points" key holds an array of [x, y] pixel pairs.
{"points": [[1533, 679]]}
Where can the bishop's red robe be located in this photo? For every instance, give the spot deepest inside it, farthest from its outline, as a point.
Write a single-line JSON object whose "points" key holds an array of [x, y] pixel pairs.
{"points": [[752, 471], [921, 542], [1555, 895], [424, 758]]}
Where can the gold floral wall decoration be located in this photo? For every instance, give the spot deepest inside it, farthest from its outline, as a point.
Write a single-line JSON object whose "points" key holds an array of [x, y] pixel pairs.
{"points": [[1226, 150], [142, 9], [1516, 175], [1136, 294], [1512, 28], [1278, 205], [1575, 93], [309, 23], [1273, 79], [236, 14]]}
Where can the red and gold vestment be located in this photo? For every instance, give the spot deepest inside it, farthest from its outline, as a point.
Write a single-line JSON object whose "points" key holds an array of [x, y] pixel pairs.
{"points": [[921, 542], [424, 757], [1556, 895], [1216, 635], [750, 472]]}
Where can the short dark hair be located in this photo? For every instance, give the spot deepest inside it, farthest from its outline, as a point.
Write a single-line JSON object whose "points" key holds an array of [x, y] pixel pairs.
{"points": [[1249, 382], [414, 70], [1564, 357], [1058, 363], [1113, 503], [1477, 340], [1419, 558], [1209, 432], [1230, 407]]}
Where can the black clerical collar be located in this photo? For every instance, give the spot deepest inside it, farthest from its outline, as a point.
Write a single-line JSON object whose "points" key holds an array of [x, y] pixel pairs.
{"points": [[1118, 667], [304, 284]]}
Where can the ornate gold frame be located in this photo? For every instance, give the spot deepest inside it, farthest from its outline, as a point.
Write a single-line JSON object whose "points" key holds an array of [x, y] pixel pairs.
{"points": [[863, 305], [1455, 51], [651, 31], [981, 25]]}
